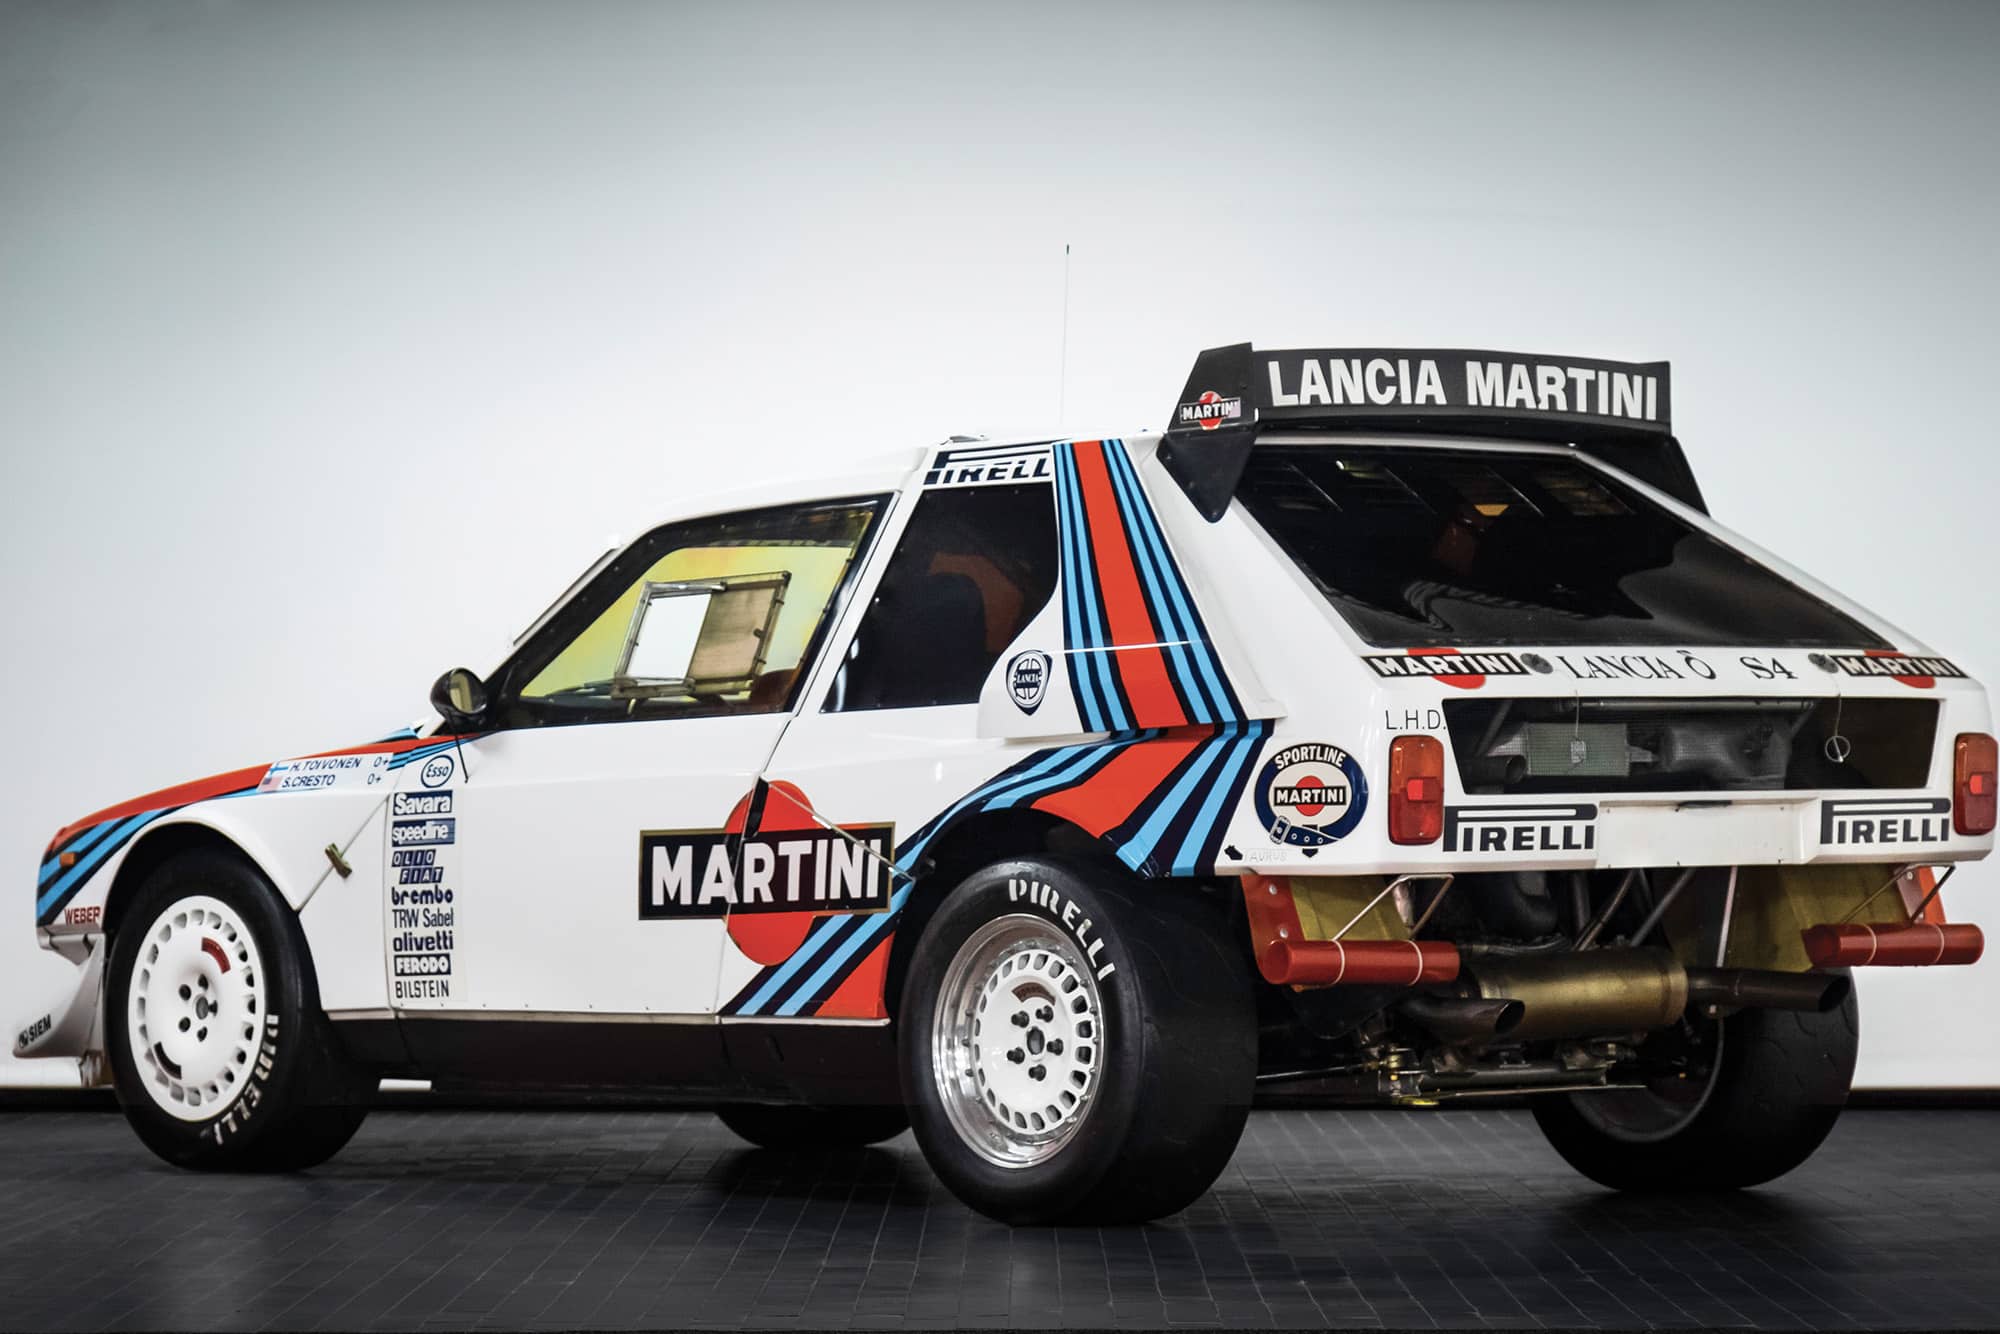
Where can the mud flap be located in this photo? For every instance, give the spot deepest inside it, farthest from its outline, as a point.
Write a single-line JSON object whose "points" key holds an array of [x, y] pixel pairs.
{"points": [[77, 1030]]}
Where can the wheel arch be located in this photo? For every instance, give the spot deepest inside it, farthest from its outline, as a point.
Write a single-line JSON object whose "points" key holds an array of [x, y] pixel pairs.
{"points": [[167, 840], [981, 839]]}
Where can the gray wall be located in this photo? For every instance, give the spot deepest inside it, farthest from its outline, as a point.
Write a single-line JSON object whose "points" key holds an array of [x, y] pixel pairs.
{"points": [[332, 337]]}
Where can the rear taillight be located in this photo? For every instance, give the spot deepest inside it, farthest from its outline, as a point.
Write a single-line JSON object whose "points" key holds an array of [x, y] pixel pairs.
{"points": [[1416, 789], [1972, 780]]}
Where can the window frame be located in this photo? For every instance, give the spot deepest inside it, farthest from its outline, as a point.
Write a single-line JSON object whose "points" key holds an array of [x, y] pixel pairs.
{"points": [[1870, 634], [560, 627], [889, 543]]}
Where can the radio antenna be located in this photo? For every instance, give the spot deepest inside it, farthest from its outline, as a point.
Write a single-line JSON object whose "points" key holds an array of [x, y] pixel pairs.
{"points": [[1062, 372]]}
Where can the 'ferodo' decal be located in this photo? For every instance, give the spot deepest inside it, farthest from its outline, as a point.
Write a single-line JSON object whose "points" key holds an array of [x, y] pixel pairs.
{"points": [[1310, 794]]}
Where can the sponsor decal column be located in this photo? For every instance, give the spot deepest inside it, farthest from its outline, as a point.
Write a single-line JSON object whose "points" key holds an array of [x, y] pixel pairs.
{"points": [[423, 897]]}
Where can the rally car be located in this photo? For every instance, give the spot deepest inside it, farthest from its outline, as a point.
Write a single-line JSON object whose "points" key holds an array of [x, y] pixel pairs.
{"points": [[1396, 721]]}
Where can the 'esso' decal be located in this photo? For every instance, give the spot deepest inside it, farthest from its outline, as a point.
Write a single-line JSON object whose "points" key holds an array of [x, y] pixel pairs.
{"points": [[1310, 794], [437, 771]]}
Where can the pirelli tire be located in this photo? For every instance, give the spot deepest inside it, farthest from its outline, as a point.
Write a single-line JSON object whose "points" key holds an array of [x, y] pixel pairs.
{"points": [[780, 1127], [220, 1055], [1076, 1046], [1767, 1095]]}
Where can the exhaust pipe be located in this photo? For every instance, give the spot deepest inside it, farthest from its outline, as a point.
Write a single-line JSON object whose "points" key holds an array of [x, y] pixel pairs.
{"points": [[1464, 1018], [1759, 988]]}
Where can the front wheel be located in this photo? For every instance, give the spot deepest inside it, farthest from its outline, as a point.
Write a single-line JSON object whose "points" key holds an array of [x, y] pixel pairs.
{"points": [[218, 1051], [1754, 1094], [1075, 1046]]}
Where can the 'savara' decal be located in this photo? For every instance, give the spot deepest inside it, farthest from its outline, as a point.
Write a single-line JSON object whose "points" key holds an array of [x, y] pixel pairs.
{"points": [[1161, 799], [97, 838], [1139, 654]]}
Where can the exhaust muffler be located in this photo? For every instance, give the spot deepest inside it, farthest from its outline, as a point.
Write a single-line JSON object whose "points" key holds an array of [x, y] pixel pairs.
{"points": [[1584, 993]]}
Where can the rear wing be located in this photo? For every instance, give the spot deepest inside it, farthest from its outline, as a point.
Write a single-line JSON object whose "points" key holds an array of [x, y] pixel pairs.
{"points": [[1617, 411]]}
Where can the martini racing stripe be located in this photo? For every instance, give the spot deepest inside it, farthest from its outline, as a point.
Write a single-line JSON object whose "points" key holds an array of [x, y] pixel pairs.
{"points": [[96, 838], [1138, 652], [1160, 799], [1090, 676], [102, 842], [1186, 634], [766, 992]]}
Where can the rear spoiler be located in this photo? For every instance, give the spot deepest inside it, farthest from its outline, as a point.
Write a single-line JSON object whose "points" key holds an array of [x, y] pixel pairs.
{"points": [[1617, 411]]}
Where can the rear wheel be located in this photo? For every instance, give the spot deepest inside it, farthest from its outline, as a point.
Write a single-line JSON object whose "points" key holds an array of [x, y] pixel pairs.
{"points": [[1753, 1097], [220, 1056], [813, 1127], [1076, 1047]]}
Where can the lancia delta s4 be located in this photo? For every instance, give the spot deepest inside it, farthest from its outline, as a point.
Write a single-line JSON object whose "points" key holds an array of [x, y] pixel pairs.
{"points": [[1397, 723]]}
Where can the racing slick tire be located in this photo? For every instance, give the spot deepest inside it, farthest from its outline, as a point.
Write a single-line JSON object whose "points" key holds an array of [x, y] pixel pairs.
{"points": [[220, 1055], [775, 1127], [1076, 1047], [1775, 1083]]}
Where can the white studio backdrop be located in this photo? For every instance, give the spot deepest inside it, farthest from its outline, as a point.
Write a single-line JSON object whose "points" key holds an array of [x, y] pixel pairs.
{"points": [[334, 339]]}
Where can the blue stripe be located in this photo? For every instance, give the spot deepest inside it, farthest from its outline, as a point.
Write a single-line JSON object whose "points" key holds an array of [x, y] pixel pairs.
{"points": [[1088, 711], [997, 795], [1099, 640], [1140, 845], [421, 753], [79, 847], [1182, 600], [76, 874], [1187, 860], [1159, 598], [833, 926], [871, 924]]}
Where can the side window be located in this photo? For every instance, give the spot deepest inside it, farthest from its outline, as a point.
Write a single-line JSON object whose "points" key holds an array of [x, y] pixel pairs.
{"points": [[715, 616], [974, 566]]}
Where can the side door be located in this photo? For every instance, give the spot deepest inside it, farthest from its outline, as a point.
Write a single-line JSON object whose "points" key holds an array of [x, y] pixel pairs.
{"points": [[574, 862], [887, 738]]}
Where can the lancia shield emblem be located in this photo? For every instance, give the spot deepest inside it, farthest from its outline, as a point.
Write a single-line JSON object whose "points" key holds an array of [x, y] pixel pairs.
{"points": [[1028, 679]]}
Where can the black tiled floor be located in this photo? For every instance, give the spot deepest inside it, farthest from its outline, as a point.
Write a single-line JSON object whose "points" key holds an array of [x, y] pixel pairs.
{"points": [[472, 1219]]}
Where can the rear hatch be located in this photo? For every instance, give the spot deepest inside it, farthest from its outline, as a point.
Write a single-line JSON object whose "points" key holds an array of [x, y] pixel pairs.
{"points": [[1594, 643]]}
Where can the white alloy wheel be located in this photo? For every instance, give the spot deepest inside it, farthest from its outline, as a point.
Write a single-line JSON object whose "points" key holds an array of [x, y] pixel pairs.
{"points": [[195, 1007], [1017, 1040]]}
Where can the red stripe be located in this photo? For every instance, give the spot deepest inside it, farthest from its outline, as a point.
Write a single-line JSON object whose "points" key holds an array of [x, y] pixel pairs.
{"points": [[201, 789], [1103, 800], [860, 993], [1143, 670]]}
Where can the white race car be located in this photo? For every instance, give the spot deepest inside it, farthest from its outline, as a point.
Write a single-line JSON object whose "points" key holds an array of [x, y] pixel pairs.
{"points": [[1397, 721]]}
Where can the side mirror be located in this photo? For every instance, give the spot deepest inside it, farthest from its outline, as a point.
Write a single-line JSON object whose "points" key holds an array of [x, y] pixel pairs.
{"points": [[459, 696]]}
